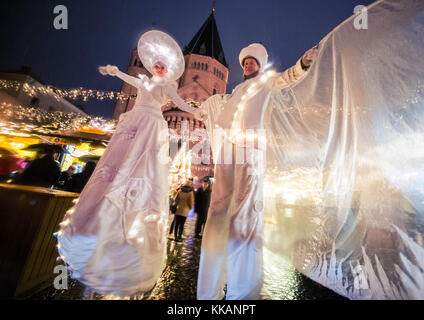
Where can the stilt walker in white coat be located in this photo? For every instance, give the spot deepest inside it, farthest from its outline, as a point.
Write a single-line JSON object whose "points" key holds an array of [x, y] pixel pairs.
{"points": [[232, 243], [341, 184]]}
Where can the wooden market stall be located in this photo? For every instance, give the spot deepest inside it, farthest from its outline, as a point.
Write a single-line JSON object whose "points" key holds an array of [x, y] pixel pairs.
{"points": [[28, 218]]}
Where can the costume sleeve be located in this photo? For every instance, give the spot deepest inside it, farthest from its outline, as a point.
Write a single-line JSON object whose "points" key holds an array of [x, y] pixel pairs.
{"points": [[135, 82], [210, 108], [173, 95], [288, 76], [359, 147]]}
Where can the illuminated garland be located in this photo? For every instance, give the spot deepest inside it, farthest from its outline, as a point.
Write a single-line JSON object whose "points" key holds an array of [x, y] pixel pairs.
{"points": [[18, 118], [73, 94]]}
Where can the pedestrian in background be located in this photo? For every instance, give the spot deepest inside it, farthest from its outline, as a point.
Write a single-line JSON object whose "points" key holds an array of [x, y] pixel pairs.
{"points": [[79, 180], [172, 209], [202, 200], [65, 177], [184, 202], [42, 172]]}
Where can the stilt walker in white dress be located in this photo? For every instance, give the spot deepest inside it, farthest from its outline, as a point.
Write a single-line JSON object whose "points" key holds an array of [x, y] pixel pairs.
{"points": [[114, 239]]}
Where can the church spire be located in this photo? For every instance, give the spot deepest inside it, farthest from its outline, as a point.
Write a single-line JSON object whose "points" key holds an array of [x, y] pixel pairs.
{"points": [[206, 42]]}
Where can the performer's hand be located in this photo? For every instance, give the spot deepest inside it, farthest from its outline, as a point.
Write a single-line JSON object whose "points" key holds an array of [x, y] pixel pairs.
{"points": [[108, 70], [310, 56], [200, 114]]}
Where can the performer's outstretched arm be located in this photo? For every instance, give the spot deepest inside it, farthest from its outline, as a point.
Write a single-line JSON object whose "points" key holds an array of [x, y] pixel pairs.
{"points": [[295, 72], [114, 71], [212, 104], [171, 92]]}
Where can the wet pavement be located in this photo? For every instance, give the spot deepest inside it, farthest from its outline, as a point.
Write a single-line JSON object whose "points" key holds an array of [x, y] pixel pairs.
{"points": [[179, 279]]}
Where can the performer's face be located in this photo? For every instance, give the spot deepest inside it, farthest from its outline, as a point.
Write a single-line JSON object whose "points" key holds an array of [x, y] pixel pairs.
{"points": [[250, 66], [159, 69]]}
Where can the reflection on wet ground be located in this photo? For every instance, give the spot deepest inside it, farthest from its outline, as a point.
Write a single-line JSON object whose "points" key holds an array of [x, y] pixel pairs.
{"points": [[179, 278]]}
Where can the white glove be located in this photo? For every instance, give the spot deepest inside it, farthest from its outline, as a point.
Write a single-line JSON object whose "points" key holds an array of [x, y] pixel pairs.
{"points": [[108, 70], [200, 114]]}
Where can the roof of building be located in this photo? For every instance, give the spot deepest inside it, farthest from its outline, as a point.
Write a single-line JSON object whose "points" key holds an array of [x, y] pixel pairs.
{"points": [[206, 42]]}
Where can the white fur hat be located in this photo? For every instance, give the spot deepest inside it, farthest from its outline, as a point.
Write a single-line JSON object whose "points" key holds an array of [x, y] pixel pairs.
{"points": [[257, 51]]}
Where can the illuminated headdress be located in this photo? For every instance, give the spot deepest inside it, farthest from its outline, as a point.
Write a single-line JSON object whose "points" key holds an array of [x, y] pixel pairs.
{"points": [[155, 46]]}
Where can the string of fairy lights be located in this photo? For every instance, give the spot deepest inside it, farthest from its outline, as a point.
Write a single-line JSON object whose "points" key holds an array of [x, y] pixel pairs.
{"points": [[19, 118], [14, 118], [73, 94]]}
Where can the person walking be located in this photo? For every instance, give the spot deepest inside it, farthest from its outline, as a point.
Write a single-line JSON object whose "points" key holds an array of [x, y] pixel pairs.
{"points": [[184, 202], [201, 205], [172, 209]]}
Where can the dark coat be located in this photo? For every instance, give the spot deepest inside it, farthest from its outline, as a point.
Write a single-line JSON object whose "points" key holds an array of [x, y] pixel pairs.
{"points": [[202, 200], [65, 178], [42, 172], [79, 180]]}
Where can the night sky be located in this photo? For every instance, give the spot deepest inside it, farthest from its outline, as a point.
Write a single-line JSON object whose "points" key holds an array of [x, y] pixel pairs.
{"points": [[104, 32]]}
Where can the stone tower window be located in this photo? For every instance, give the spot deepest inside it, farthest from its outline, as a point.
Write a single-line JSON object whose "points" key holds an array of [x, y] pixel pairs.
{"points": [[214, 91]]}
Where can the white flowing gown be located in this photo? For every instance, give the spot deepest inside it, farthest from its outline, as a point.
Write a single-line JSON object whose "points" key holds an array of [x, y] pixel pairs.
{"points": [[114, 239]]}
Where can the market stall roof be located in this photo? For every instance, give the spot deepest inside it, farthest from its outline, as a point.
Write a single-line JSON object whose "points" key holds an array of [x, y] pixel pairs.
{"points": [[22, 121]]}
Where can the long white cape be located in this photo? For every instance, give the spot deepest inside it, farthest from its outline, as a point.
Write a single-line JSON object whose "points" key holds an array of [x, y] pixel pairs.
{"points": [[344, 190]]}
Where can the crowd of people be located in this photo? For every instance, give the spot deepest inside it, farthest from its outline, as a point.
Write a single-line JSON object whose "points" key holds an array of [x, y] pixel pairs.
{"points": [[44, 171]]}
